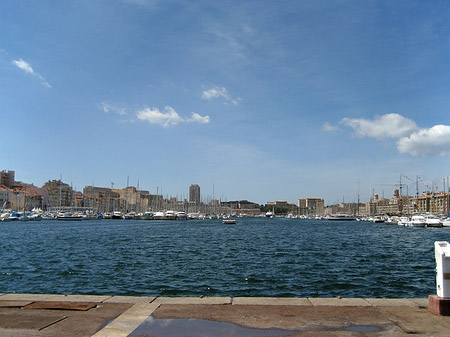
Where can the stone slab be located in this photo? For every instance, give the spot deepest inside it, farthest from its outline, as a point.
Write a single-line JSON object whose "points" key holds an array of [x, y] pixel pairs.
{"points": [[193, 300], [53, 297], [391, 302], [439, 306], [128, 321], [301, 319], [14, 304], [59, 305], [21, 320], [129, 299], [270, 301], [339, 302], [75, 323]]}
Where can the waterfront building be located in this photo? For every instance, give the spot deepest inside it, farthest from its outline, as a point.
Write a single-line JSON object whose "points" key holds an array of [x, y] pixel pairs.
{"points": [[22, 197], [311, 206], [194, 194], [277, 203], [436, 203], [7, 178], [59, 194], [345, 208], [4, 197], [102, 199], [240, 207]]}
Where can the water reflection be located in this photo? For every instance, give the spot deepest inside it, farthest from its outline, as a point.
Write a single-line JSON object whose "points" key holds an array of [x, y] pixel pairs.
{"points": [[200, 328]]}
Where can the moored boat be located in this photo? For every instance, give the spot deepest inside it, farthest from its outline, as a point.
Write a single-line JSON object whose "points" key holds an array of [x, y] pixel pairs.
{"points": [[270, 214], [181, 215], [378, 219], [432, 221], [147, 216], [170, 215], [159, 215], [417, 221], [341, 217], [68, 216], [446, 222], [403, 221], [117, 215]]}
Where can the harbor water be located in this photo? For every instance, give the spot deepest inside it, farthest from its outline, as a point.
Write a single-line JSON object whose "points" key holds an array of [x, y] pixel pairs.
{"points": [[256, 257]]}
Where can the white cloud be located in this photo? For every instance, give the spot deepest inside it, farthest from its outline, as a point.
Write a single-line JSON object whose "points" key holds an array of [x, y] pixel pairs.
{"points": [[427, 142], [107, 107], [196, 118], [384, 126], [154, 116], [218, 92], [434, 141], [25, 66], [330, 128], [169, 117]]}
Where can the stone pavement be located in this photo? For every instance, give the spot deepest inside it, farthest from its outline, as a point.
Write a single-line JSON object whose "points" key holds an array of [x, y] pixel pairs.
{"points": [[37, 315]]}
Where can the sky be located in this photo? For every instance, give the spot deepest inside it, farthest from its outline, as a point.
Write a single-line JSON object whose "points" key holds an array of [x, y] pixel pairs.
{"points": [[256, 100]]}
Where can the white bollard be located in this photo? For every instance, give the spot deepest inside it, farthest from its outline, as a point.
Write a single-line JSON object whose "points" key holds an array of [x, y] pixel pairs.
{"points": [[442, 255]]}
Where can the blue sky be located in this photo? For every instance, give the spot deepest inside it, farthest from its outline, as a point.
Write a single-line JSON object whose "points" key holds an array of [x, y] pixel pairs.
{"points": [[264, 100]]}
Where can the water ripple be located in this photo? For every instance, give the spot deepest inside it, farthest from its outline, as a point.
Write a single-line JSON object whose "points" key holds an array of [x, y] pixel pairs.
{"points": [[256, 257]]}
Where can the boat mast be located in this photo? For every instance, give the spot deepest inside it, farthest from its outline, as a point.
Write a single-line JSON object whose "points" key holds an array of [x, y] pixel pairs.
{"points": [[401, 197], [126, 195], [357, 208], [417, 192], [60, 187]]}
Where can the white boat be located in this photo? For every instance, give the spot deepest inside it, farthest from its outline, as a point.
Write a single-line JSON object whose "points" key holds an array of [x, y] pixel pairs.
{"points": [[229, 221], [270, 214], [446, 222], [129, 216], [193, 215], [341, 217], [181, 215], [378, 219], [33, 216], [432, 221], [417, 221], [403, 221], [160, 215], [107, 215], [392, 220], [5, 217], [68, 216], [117, 215], [170, 215]]}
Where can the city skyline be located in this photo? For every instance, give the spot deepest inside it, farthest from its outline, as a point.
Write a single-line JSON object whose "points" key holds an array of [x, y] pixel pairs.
{"points": [[259, 100]]}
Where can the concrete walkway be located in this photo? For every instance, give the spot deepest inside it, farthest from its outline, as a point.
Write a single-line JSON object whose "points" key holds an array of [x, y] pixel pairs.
{"points": [[113, 316]]}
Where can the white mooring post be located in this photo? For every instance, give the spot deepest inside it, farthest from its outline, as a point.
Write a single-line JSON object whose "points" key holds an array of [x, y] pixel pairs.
{"points": [[442, 255]]}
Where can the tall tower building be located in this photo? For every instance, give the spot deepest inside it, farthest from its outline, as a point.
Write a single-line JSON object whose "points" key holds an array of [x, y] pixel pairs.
{"points": [[7, 178], [194, 193]]}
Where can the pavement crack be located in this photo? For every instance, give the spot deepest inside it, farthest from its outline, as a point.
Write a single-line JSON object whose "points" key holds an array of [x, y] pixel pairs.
{"points": [[53, 323]]}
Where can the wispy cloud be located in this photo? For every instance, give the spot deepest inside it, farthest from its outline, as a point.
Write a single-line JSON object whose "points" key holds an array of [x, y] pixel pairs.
{"points": [[108, 107], [25, 66], [168, 117], [411, 139], [330, 128], [196, 118], [219, 92]]}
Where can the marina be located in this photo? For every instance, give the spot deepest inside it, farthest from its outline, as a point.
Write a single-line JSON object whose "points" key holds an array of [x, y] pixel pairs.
{"points": [[276, 257]]}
